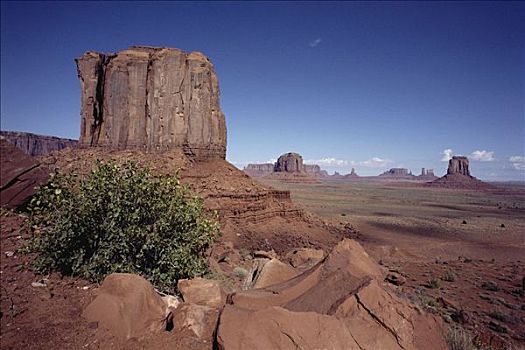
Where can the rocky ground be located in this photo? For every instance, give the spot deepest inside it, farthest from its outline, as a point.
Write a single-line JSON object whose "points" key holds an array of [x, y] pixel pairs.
{"points": [[460, 254]]}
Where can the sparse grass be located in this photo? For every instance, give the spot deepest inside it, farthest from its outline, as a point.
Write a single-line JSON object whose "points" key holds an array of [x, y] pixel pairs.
{"points": [[449, 276], [498, 315], [459, 339], [240, 272], [433, 283], [489, 285]]}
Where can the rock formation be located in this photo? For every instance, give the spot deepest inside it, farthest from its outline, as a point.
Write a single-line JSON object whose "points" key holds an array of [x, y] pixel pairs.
{"points": [[258, 170], [19, 175], [315, 170], [151, 98], [290, 163], [36, 145], [458, 176], [427, 175], [458, 165], [397, 173]]}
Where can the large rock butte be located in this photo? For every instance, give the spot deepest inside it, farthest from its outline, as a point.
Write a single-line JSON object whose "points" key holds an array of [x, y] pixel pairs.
{"points": [[290, 163], [458, 176], [151, 98], [458, 165]]}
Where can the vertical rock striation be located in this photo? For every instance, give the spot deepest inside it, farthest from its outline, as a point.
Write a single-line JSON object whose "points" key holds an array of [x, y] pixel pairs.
{"points": [[290, 163], [458, 165], [151, 99]]}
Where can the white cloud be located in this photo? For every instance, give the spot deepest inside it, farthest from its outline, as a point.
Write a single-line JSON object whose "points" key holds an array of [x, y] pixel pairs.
{"points": [[375, 162], [332, 162], [447, 155], [482, 156], [518, 162], [315, 42]]}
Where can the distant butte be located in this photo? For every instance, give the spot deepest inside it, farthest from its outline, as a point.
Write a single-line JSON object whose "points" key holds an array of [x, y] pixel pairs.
{"points": [[458, 176]]}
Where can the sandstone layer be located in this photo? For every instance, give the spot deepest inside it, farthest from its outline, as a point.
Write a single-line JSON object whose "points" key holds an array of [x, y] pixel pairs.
{"points": [[36, 145], [258, 170], [20, 174], [151, 98]]}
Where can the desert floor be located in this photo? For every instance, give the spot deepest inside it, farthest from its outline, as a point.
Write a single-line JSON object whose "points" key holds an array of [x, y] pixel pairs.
{"points": [[459, 253]]}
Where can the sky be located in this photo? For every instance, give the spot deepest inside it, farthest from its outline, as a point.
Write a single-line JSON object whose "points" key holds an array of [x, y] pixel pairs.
{"points": [[345, 84]]}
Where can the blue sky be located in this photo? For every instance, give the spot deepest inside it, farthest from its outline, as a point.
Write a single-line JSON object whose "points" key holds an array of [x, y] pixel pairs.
{"points": [[345, 84]]}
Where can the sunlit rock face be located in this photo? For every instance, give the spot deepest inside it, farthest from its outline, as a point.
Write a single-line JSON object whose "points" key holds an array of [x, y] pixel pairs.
{"points": [[458, 165], [290, 163], [152, 99]]}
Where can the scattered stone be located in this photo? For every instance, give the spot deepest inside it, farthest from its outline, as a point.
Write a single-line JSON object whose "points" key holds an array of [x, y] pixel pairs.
{"points": [[265, 255], [273, 272], [395, 279], [201, 291], [128, 306], [199, 321], [38, 285], [304, 256], [9, 253]]}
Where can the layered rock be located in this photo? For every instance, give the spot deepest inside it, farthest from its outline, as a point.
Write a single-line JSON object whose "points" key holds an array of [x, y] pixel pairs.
{"points": [[397, 173], [151, 98], [258, 170], [290, 163], [315, 170], [339, 304], [37, 145], [20, 174]]}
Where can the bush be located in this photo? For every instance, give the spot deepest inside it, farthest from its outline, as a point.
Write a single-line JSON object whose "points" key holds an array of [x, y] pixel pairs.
{"points": [[120, 218], [449, 276]]}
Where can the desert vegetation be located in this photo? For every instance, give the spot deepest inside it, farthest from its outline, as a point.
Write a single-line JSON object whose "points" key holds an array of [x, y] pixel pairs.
{"points": [[120, 218]]}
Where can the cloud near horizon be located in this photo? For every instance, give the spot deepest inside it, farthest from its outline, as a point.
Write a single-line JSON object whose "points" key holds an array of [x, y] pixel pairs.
{"points": [[376, 162], [447, 155], [518, 162], [482, 156], [331, 162], [315, 42]]}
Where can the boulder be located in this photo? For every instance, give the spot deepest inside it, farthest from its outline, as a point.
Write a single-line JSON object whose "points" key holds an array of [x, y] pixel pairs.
{"points": [[128, 306], [273, 272], [151, 98], [304, 257], [343, 289], [290, 163], [202, 291], [278, 328], [37, 145], [195, 321], [20, 174]]}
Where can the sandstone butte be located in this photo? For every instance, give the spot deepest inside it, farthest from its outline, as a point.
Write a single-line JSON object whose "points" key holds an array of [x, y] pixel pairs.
{"points": [[458, 176], [160, 107], [151, 99]]}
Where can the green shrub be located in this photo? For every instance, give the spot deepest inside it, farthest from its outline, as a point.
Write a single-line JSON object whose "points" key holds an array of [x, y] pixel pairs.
{"points": [[120, 218]]}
